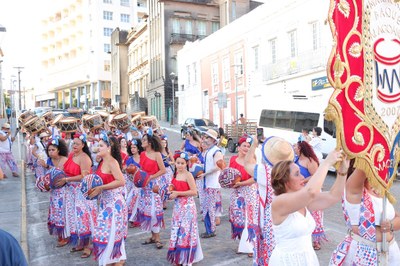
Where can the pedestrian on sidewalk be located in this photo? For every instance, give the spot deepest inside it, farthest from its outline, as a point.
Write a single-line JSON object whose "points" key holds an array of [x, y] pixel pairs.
{"points": [[6, 156], [8, 112]]}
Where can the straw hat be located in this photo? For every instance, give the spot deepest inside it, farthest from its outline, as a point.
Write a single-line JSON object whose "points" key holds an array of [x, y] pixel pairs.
{"points": [[276, 149], [211, 133], [6, 125], [43, 134]]}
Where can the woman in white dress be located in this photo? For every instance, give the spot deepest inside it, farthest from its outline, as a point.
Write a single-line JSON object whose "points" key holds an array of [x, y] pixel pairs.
{"points": [[292, 222]]}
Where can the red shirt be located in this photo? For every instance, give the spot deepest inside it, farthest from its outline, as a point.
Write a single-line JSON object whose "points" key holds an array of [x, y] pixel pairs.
{"points": [[180, 185], [148, 165], [234, 164], [107, 178]]}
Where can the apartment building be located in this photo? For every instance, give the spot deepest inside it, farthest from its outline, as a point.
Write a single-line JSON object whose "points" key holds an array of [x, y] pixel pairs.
{"points": [[278, 47], [76, 47]]}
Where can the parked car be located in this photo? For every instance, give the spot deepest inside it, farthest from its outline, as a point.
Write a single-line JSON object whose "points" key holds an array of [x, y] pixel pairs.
{"points": [[61, 111], [95, 109], [199, 125], [39, 111]]}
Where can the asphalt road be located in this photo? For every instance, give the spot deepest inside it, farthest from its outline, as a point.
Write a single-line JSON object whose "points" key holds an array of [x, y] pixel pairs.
{"points": [[220, 250]]}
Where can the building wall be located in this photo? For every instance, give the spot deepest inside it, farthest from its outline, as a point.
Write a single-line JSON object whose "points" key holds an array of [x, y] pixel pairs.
{"points": [[171, 23], [262, 72], [138, 68], [75, 47]]}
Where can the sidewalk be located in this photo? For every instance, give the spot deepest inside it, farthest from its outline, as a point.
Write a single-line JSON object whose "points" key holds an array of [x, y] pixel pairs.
{"points": [[166, 125], [13, 197]]}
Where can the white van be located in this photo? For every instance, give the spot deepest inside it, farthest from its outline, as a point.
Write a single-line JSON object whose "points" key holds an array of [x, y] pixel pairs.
{"points": [[289, 125]]}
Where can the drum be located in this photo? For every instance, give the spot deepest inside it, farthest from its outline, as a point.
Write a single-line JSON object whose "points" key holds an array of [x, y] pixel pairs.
{"points": [[34, 125], [92, 122], [75, 112], [196, 170], [121, 121], [48, 117], [110, 120], [141, 179], [135, 119], [68, 125], [88, 183], [55, 175], [25, 116], [57, 119], [163, 191], [229, 177], [150, 121], [104, 115], [43, 183]]}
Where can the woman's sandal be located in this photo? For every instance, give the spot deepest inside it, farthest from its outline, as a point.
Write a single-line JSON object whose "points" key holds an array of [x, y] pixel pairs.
{"points": [[75, 250], [250, 255], [86, 253], [316, 246], [149, 241], [159, 245], [62, 243]]}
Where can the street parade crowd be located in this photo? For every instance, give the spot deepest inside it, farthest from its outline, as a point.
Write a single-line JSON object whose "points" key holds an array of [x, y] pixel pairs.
{"points": [[107, 172]]}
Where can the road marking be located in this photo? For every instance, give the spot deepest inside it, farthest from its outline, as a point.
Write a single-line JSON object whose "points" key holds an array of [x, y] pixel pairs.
{"points": [[24, 234]]}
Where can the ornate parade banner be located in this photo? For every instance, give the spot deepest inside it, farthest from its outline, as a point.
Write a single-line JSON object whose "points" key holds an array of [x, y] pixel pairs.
{"points": [[364, 70]]}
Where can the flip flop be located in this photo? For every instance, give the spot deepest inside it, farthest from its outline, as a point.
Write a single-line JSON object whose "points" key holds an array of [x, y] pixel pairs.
{"points": [[149, 241]]}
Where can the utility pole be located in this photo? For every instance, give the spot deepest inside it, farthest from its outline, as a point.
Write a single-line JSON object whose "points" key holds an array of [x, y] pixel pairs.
{"points": [[19, 69]]}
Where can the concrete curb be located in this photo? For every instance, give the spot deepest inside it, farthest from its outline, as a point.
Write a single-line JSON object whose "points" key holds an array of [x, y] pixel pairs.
{"points": [[24, 230]]}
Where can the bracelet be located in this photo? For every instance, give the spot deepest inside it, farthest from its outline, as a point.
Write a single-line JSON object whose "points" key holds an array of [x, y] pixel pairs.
{"points": [[342, 173], [391, 227]]}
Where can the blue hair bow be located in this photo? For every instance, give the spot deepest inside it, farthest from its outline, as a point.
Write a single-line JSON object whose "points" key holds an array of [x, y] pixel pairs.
{"points": [[150, 131], [55, 141], [184, 156], [104, 137]]}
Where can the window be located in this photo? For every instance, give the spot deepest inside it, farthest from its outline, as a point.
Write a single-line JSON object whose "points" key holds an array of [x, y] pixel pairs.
{"points": [[188, 74], [107, 65], [107, 1], [225, 69], [188, 27], [107, 31], [125, 18], [176, 26], [238, 64], [107, 15], [214, 26], [214, 73], [202, 31], [194, 73], [255, 57], [293, 43], [233, 10], [124, 2], [272, 47], [107, 47], [288, 120], [315, 35]]}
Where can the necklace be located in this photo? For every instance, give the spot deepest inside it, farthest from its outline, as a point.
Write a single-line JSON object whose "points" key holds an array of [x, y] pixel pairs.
{"points": [[58, 162]]}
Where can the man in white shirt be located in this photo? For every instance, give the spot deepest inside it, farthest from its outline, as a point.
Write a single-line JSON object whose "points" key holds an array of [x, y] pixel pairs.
{"points": [[316, 142], [6, 156], [211, 205]]}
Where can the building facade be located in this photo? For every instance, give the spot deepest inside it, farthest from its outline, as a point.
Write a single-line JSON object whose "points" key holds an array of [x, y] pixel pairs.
{"points": [[75, 51], [279, 46]]}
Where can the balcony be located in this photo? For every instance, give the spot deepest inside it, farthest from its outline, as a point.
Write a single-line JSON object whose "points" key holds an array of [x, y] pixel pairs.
{"points": [[288, 66], [180, 38]]}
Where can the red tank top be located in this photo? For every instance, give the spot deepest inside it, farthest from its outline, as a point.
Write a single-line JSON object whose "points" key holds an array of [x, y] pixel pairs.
{"points": [[234, 164], [107, 178], [180, 185], [70, 167], [148, 165], [124, 157]]}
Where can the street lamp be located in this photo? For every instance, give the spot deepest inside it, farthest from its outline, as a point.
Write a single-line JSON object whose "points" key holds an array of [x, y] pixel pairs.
{"points": [[173, 76], [237, 69], [2, 105], [19, 87]]}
